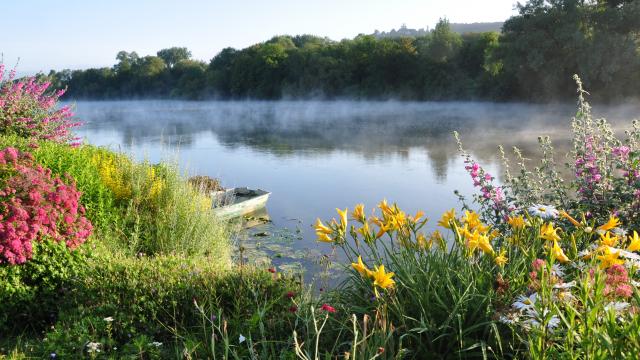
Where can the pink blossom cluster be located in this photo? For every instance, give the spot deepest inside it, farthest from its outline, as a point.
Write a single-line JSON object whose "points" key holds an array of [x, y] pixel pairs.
{"points": [[484, 181], [617, 282], [587, 168], [28, 110], [36, 206]]}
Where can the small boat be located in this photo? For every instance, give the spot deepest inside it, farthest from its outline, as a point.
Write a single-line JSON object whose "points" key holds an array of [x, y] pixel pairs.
{"points": [[235, 202]]}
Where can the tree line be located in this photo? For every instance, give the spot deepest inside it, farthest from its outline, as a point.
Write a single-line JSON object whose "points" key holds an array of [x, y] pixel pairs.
{"points": [[533, 58]]}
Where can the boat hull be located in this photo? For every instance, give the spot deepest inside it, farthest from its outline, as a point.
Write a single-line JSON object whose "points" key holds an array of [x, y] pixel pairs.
{"points": [[237, 202]]}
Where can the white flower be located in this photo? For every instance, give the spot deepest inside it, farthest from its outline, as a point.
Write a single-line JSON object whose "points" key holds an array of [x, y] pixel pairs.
{"points": [[628, 254], [617, 306], [635, 283], [156, 344], [552, 323], [508, 319], [524, 302], [241, 339], [93, 347], [544, 211], [557, 270], [619, 231], [108, 319], [588, 229], [565, 285]]}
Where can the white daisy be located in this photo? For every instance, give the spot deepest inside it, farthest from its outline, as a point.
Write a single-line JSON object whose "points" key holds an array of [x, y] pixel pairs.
{"points": [[241, 339], [619, 231], [557, 270], [617, 306], [524, 302], [108, 319], [544, 211]]}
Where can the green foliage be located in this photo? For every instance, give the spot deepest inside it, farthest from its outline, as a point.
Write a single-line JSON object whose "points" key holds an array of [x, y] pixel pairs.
{"points": [[31, 293], [128, 304]]}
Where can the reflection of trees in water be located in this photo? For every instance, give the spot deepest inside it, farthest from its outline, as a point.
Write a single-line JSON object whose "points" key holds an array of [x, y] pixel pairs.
{"points": [[313, 129]]}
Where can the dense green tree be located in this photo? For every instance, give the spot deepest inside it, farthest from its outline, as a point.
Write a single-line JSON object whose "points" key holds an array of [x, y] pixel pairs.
{"points": [[174, 55]]}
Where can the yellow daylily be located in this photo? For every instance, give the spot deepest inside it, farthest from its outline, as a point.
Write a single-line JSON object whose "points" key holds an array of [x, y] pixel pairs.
{"points": [[361, 268], [472, 218], [358, 213], [386, 210], [417, 217], [343, 218], [634, 244], [437, 237], [321, 228], [364, 230], [548, 232], [609, 258], [382, 279], [485, 245], [565, 215], [516, 222], [557, 252], [423, 243], [447, 218], [324, 238], [607, 240], [501, 260], [613, 222], [383, 229]]}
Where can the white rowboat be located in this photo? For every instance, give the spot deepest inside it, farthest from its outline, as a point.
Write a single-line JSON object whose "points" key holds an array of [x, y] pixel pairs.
{"points": [[235, 202]]}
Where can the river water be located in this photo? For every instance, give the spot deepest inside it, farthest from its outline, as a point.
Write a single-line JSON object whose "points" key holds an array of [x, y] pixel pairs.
{"points": [[315, 156]]}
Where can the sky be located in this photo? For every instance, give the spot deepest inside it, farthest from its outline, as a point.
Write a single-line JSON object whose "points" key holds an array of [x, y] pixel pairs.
{"points": [[78, 34]]}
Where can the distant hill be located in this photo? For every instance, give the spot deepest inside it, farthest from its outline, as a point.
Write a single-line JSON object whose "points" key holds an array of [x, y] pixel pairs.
{"points": [[461, 28]]}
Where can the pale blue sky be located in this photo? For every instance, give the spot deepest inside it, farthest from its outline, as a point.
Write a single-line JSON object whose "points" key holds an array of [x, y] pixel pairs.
{"points": [[48, 34]]}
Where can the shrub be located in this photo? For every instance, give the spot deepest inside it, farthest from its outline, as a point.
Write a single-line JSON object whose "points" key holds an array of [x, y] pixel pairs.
{"points": [[162, 306], [32, 293], [36, 206], [29, 111]]}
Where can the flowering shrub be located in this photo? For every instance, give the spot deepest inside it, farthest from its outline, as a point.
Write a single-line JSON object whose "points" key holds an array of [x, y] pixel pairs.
{"points": [[28, 110], [542, 276], [36, 206]]}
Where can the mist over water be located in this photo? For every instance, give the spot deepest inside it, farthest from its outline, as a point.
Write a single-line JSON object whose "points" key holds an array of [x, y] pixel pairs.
{"points": [[316, 156]]}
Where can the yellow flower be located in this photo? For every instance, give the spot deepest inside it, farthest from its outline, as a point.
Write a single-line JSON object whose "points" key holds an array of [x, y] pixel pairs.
{"points": [[565, 215], [516, 222], [436, 236], [613, 222], [423, 243], [386, 210], [321, 228], [417, 217], [501, 260], [485, 245], [472, 218], [382, 279], [382, 231], [557, 252], [358, 213], [609, 258], [478, 240], [635, 242], [364, 230], [324, 238], [607, 240], [547, 232], [447, 218], [343, 218], [361, 268]]}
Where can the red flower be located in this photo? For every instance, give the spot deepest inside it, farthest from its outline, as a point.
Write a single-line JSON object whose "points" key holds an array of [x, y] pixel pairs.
{"points": [[271, 270], [293, 309], [328, 308], [290, 294]]}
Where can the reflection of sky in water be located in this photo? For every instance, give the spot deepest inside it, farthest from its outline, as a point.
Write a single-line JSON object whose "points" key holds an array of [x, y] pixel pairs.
{"points": [[316, 156]]}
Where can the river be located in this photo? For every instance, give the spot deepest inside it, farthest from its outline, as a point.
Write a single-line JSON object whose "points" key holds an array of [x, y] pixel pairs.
{"points": [[315, 156]]}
